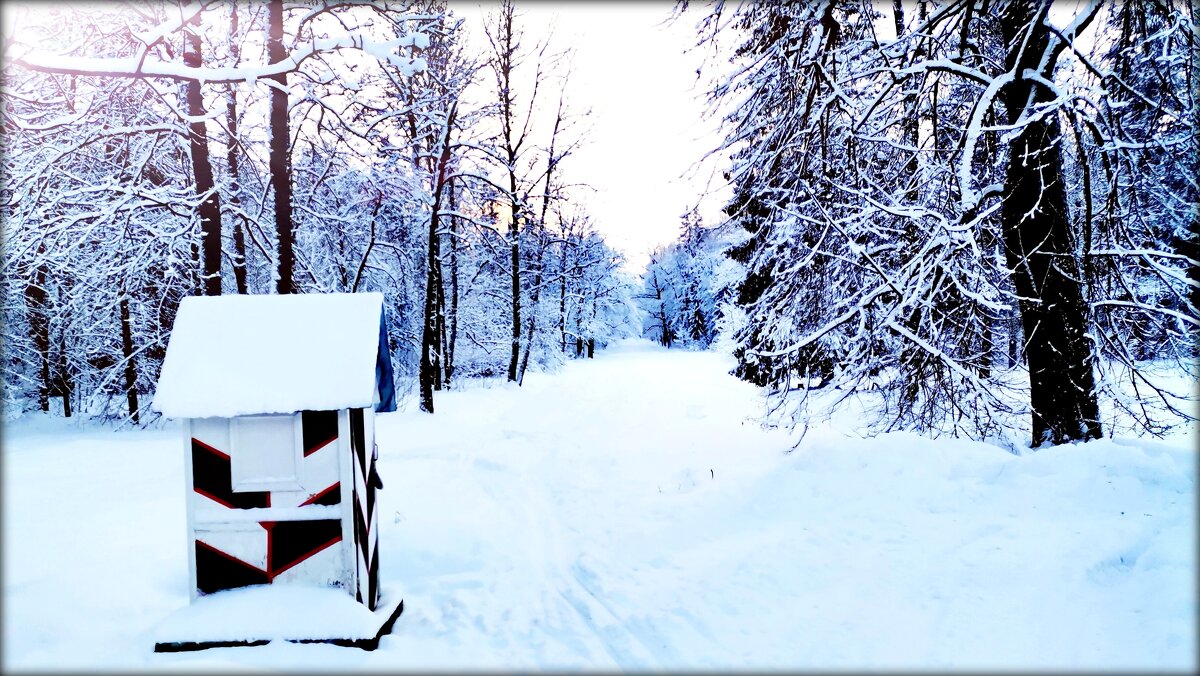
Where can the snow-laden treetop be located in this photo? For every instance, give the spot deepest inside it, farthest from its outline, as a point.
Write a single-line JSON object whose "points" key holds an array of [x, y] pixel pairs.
{"points": [[245, 355]]}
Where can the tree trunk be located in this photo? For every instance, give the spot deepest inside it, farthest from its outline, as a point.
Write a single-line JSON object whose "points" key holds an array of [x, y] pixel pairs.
{"points": [[281, 170], [562, 299], [239, 256], [131, 396], [439, 311], [591, 342], [987, 345], [910, 128], [210, 207], [429, 374], [62, 377], [1039, 249], [440, 329], [551, 164], [235, 198], [39, 326], [535, 294], [514, 236], [665, 338], [505, 45], [989, 247], [452, 319], [428, 371], [1012, 322]]}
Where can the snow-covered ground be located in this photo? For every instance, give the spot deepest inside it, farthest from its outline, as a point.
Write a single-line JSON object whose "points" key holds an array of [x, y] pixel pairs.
{"points": [[626, 513]]}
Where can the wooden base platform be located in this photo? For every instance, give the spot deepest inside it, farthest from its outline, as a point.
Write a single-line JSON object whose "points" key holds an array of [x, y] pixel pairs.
{"points": [[253, 616]]}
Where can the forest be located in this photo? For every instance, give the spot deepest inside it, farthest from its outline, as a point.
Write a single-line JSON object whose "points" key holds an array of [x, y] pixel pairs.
{"points": [[154, 151], [868, 343], [982, 215], [979, 216]]}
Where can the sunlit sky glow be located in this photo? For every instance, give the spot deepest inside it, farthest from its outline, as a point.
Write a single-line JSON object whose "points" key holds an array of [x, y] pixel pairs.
{"points": [[646, 131]]}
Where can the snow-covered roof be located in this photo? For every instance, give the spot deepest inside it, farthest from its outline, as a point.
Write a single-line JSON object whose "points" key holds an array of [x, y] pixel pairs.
{"points": [[245, 355]]}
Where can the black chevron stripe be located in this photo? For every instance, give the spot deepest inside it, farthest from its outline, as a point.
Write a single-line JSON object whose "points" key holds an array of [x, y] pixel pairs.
{"points": [[373, 578], [361, 534], [294, 541], [212, 477], [216, 570], [370, 488], [319, 428], [358, 437]]}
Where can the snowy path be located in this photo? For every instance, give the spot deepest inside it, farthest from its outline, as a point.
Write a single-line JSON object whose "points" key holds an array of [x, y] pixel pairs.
{"points": [[621, 514], [570, 489]]}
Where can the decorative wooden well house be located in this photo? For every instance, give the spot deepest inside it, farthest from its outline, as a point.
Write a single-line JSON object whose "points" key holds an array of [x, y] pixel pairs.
{"points": [[278, 395]]}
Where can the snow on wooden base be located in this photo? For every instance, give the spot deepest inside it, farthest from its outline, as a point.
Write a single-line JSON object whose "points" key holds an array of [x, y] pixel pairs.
{"points": [[257, 615]]}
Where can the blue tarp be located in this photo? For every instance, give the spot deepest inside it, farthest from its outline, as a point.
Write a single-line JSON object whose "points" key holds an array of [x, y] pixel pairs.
{"points": [[383, 370]]}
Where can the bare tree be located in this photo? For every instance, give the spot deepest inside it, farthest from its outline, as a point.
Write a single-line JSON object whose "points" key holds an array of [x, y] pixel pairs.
{"points": [[430, 338], [210, 200], [506, 60], [558, 150]]}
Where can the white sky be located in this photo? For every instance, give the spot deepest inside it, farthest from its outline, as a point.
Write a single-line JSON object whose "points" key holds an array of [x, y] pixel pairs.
{"points": [[645, 132]]}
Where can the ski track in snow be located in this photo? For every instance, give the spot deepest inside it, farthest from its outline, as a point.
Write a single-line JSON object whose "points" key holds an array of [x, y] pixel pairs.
{"points": [[628, 513]]}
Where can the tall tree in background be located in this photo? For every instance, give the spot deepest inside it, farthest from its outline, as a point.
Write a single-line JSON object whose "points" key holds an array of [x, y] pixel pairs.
{"points": [[210, 204], [558, 150], [233, 160], [431, 125], [506, 60], [281, 169], [679, 288], [659, 305]]}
